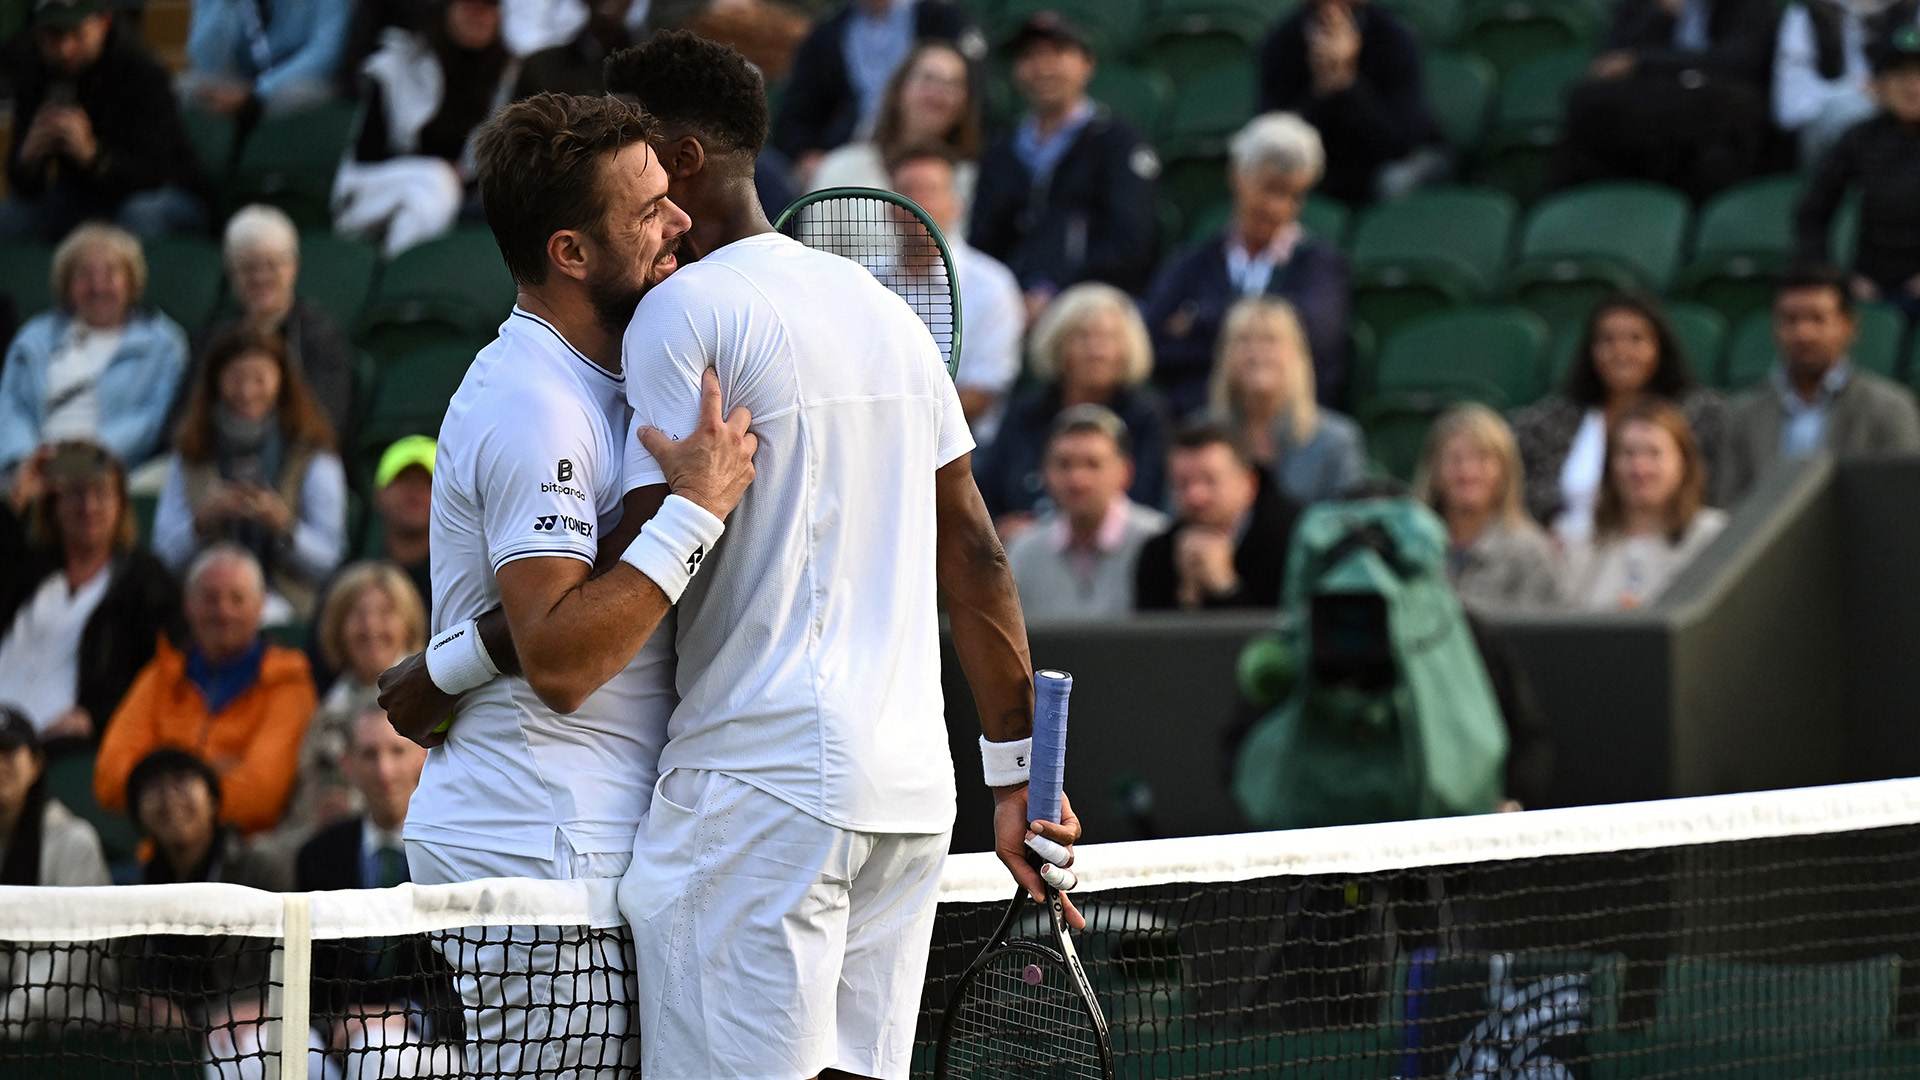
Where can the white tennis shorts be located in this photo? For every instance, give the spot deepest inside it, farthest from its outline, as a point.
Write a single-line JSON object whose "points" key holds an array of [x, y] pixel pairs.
{"points": [[538, 1000], [770, 944]]}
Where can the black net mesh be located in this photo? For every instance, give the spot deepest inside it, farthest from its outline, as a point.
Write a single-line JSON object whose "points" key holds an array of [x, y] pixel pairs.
{"points": [[895, 246]]}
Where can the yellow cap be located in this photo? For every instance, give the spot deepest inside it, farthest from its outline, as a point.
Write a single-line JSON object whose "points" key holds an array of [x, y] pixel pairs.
{"points": [[402, 455]]}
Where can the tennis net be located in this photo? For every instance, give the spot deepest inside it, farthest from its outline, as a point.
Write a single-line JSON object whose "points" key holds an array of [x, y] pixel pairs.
{"points": [[1764, 935]]}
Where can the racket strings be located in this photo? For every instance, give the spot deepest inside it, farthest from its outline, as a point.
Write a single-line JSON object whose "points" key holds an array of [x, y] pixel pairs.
{"points": [[894, 246], [1022, 1017]]}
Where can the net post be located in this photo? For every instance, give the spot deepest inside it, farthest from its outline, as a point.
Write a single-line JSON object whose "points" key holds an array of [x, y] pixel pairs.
{"points": [[293, 984]]}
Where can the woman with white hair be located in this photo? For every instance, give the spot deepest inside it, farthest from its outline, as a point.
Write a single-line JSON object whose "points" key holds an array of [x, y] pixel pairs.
{"points": [[262, 253], [1262, 251], [98, 366], [1262, 390], [1088, 347]]}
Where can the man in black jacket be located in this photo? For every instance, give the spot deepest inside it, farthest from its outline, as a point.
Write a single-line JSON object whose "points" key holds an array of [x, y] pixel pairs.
{"points": [[96, 131], [1068, 196], [842, 67], [1228, 546]]}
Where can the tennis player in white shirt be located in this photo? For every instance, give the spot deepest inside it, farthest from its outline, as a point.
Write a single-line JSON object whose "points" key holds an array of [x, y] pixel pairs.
{"points": [[549, 775]]}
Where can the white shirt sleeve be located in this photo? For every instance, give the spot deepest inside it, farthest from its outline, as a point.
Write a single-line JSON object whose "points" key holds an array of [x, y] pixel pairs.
{"points": [[956, 438], [536, 479]]}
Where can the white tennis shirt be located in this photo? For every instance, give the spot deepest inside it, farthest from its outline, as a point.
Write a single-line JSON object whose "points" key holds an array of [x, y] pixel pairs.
{"points": [[809, 645], [529, 466]]}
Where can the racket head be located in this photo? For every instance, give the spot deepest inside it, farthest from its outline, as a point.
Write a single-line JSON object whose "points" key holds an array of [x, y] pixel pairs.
{"points": [[896, 241], [1024, 1008]]}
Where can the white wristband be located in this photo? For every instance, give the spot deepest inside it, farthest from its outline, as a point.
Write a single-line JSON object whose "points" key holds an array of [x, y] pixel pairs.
{"points": [[457, 659], [1005, 763], [671, 547]]}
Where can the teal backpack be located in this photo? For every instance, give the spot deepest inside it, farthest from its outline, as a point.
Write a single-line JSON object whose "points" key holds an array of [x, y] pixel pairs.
{"points": [[1384, 710]]}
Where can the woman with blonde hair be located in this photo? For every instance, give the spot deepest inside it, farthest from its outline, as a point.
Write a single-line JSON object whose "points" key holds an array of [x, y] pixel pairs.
{"points": [[1498, 560], [1262, 389], [1089, 347], [1651, 518]]}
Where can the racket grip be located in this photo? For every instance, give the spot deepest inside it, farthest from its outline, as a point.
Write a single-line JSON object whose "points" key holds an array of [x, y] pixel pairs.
{"points": [[1048, 769]]}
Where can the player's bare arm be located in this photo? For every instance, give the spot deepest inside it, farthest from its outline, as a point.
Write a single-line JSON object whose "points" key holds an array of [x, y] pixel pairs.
{"points": [[990, 637], [568, 628]]}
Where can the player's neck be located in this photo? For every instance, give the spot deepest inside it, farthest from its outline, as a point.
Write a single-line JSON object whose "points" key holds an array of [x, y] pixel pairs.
{"points": [[576, 322], [732, 214]]}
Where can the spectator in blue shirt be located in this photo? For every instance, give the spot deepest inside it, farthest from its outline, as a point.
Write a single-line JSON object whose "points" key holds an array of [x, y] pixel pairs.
{"points": [[1262, 251], [282, 55]]}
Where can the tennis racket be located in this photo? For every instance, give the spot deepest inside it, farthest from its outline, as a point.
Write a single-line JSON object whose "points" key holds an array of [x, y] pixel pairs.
{"points": [[897, 243], [1024, 1007]]}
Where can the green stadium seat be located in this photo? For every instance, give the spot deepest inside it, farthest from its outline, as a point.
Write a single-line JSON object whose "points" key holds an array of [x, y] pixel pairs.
{"points": [[1429, 252], [1196, 184], [412, 392], [214, 137], [1460, 88], [1435, 22], [1396, 425], [336, 273], [1509, 33], [1527, 116], [1137, 95], [1876, 348], [1327, 218], [454, 287], [290, 160], [144, 505], [1581, 244], [185, 280], [1746, 237], [1264, 13], [1490, 354], [1210, 106], [69, 778], [26, 277], [1113, 26]]}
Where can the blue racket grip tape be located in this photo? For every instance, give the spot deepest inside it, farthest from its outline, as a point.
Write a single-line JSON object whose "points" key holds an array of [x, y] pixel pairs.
{"points": [[1047, 771]]}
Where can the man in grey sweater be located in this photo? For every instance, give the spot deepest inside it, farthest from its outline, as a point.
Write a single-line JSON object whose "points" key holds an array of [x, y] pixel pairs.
{"points": [[1816, 399], [1077, 561]]}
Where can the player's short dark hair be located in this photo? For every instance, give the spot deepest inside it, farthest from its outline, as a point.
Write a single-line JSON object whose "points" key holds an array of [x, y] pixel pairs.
{"points": [[1090, 419], [684, 79], [539, 170], [900, 157], [1200, 434], [1817, 276]]}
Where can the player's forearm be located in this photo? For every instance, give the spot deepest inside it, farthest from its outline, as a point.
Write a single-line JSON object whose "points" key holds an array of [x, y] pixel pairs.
{"points": [[591, 633], [989, 634]]}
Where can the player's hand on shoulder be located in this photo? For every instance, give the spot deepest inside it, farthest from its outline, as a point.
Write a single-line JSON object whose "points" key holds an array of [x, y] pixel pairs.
{"points": [[713, 465], [414, 705]]}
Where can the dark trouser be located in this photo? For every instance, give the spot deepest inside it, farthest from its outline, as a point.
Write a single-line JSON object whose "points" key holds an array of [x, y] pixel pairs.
{"points": [[1701, 139], [147, 214]]}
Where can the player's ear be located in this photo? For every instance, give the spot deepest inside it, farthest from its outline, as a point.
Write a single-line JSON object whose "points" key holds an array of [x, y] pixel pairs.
{"points": [[683, 157], [567, 253]]}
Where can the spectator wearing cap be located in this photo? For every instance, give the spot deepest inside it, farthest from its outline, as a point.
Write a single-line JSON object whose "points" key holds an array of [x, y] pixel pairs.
{"points": [[1879, 158], [1352, 69], [96, 133], [1089, 348], [841, 71], [262, 253], [1262, 390], [1068, 195], [98, 366], [277, 56], [991, 316], [1820, 68], [1078, 559], [82, 608], [1263, 251], [176, 801], [1227, 546], [1815, 399], [41, 841], [230, 697]]}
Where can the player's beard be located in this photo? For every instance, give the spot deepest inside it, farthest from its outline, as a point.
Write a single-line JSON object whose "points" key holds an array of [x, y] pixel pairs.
{"points": [[614, 301]]}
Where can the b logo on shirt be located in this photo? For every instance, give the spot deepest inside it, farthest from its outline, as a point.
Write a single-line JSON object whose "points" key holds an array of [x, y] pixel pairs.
{"points": [[551, 522], [565, 472]]}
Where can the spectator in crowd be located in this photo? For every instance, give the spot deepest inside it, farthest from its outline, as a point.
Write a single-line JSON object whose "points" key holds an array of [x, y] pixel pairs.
{"points": [[1263, 251], [262, 250], [371, 21], [1262, 390], [372, 619], [1078, 561], [1880, 158], [403, 510], [364, 850], [277, 56], [930, 101], [237, 701], [1820, 67], [1498, 560], [1816, 399], [1677, 96], [841, 72], [991, 317], [409, 175], [176, 800], [254, 463], [96, 133], [41, 841], [1652, 518], [81, 607], [1089, 348], [97, 366], [1627, 351], [576, 66], [1227, 547], [1068, 196], [1352, 69]]}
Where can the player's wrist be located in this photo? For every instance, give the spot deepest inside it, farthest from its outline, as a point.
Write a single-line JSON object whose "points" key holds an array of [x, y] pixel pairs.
{"points": [[1005, 764], [673, 544], [458, 661]]}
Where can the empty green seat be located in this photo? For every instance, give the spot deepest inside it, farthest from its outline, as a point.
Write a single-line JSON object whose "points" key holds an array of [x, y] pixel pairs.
{"points": [[1510, 33], [1745, 237], [1137, 95], [412, 392], [1435, 22], [1326, 218], [1460, 88], [1267, 13], [26, 277], [1209, 105], [184, 279], [1196, 184], [290, 160], [1429, 252], [1581, 244], [1396, 424], [455, 285], [1527, 117], [214, 137], [336, 273], [1876, 348], [1491, 354]]}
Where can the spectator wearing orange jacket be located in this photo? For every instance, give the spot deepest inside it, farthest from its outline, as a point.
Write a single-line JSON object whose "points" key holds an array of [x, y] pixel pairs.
{"points": [[231, 698]]}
